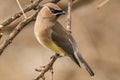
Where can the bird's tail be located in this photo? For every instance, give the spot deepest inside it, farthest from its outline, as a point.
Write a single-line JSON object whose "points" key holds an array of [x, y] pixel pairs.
{"points": [[79, 57], [84, 63]]}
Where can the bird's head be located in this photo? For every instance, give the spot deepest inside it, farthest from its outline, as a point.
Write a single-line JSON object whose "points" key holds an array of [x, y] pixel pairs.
{"points": [[51, 11]]}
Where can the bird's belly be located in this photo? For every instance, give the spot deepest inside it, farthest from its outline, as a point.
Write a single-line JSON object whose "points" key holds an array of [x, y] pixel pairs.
{"points": [[48, 43]]}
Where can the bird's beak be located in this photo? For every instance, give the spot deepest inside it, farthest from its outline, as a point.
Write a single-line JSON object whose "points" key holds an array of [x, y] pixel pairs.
{"points": [[60, 12]]}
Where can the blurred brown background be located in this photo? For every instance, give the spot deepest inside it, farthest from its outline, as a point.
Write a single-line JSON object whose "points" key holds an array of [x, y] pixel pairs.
{"points": [[97, 33]]}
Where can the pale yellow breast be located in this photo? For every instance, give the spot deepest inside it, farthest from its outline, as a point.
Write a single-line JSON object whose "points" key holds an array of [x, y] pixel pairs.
{"points": [[44, 38], [48, 43]]}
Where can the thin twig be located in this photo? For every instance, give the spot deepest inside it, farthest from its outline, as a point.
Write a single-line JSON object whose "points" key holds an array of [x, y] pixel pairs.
{"points": [[70, 3], [14, 33], [102, 4], [46, 68], [18, 14], [21, 9]]}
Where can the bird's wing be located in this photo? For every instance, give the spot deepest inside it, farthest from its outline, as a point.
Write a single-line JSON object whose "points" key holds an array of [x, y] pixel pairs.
{"points": [[68, 44], [60, 37]]}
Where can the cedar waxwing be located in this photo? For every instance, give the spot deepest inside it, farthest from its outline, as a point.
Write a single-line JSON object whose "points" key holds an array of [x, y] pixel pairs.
{"points": [[53, 36]]}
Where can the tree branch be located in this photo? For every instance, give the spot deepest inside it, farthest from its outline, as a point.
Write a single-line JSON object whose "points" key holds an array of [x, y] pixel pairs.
{"points": [[70, 3], [21, 9], [45, 68], [14, 33], [20, 13]]}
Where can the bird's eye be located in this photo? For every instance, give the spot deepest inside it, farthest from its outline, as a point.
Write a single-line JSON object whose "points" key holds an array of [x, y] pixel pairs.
{"points": [[54, 10]]}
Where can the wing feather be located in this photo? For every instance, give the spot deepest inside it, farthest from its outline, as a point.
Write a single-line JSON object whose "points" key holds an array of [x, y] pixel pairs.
{"points": [[61, 38], [66, 42]]}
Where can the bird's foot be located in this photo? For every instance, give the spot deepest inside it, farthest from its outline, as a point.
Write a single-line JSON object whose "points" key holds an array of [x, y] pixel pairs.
{"points": [[55, 56]]}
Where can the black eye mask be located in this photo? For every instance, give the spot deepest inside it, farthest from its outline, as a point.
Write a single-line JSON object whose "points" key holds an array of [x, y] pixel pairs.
{"points": [[54, 11]]}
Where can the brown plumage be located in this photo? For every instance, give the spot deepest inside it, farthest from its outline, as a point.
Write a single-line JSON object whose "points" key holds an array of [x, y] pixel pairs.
{"points": [[53, 36]]}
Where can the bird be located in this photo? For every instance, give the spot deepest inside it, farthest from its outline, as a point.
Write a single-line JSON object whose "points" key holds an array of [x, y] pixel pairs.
{"points": [[53, 36]]}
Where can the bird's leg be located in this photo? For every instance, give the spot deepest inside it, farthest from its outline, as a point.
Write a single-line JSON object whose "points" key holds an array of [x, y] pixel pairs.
{"points": [[55, 56]]}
